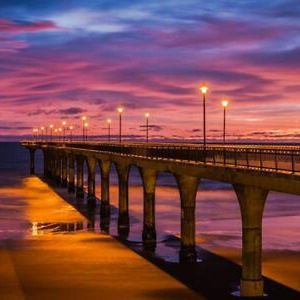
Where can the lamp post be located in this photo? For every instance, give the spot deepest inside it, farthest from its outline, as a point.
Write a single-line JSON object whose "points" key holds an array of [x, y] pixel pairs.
{"points": [[34, 134], [83, 119], [120, 110], [51, 131], [86, 125], [108, 129], [64, 129], [42, 133], [204, 90], [55, 133], [147, 115], [59, 134], [71, 133], [224, 104]]}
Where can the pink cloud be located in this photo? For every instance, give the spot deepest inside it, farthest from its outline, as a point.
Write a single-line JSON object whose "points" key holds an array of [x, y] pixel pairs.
{"points": [[7, 26]]}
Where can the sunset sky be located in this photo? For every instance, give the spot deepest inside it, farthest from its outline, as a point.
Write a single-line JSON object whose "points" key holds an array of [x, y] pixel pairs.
{"points": [[60, 60]]}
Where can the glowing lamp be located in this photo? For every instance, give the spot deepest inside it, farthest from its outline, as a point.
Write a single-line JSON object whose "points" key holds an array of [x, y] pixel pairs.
{"points": [[203, 89], [225, 103]]}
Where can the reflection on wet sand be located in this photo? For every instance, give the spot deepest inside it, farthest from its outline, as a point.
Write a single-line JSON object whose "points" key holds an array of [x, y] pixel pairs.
{"points": [[56, 256]]}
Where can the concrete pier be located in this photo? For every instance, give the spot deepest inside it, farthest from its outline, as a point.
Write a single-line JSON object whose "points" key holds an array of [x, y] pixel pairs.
{"points": [[79, 177], [250, 183], [105, 197], [71, 174], [32, 160], [252, 201], [149, 182], [188, 186], [91, 182], [123, 220], [64, 172], [58, 169]]}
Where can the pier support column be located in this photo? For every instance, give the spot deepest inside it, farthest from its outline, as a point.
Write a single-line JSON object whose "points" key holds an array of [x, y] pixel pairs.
{"points": [[123, 220], [32, 160], [149, 182], [46, 163], [79, 178], [91, 182], [58, 169], [51, 165], [188, 186], [105, 201], [71, 175], [64, 171], [252, 201]]}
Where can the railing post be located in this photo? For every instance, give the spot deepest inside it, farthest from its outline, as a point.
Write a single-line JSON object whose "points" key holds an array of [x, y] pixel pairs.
{"points": [[260, 159], [293, 162], [247, 158]]}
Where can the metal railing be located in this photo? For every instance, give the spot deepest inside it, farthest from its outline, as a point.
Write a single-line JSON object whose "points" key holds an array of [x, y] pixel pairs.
{"points": [[283, 158]]}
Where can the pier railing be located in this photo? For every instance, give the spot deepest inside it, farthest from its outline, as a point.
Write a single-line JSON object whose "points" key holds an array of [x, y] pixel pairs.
{"points": [[262, 157]]}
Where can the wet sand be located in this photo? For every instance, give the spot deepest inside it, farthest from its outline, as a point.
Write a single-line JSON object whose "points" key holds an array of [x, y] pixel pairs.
{"points": [[45, 255]]}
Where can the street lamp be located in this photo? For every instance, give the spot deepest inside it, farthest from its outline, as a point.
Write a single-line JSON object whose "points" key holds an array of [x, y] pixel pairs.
{"points": [[108, 129], [55, 133], [224, 104], [120, 110], [86, 125], [64, 123], [42, 133], [59, 133], [71, 133], [83, 119], [147, 115], [34, 133], [51, 131], [204, 90]]}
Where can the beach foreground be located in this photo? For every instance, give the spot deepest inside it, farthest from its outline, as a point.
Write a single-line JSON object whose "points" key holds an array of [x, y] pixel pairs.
{"points": [[39, 261]]}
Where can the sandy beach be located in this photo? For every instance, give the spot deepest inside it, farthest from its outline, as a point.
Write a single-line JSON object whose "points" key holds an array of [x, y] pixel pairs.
{"points": [[50, 262]]}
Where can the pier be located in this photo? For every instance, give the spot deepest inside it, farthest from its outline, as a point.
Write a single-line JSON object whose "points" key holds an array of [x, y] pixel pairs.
{"points": [[253, 171]]}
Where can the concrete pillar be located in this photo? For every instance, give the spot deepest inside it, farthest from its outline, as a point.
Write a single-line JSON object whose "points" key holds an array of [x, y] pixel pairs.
{"points": [[46, 162], [71, 175], [53, 165], [105, 166], [50, 164], [64, 179], [149, 182], [91, 182], [58, 169], [79, 178], [32, 160], [123, 220], [188, 186], [252, 201]]}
